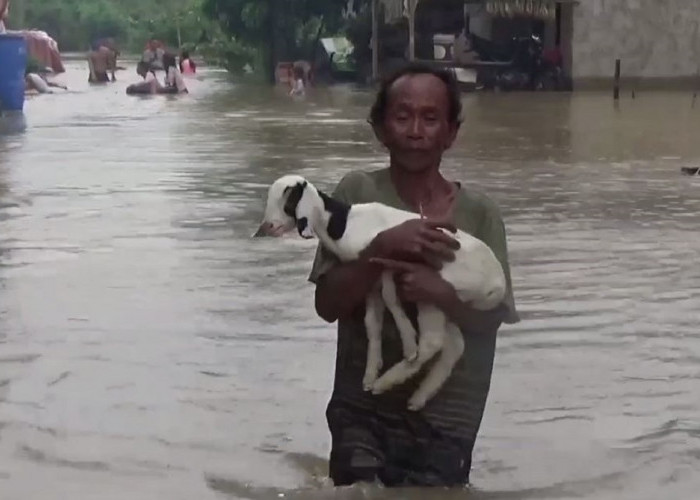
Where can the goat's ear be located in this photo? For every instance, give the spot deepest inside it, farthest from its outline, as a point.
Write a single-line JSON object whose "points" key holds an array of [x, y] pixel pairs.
{"points": [[290, 206]]}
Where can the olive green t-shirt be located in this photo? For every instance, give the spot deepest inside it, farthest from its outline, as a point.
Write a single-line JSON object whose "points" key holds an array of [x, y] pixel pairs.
{"points": [[459, 405]]}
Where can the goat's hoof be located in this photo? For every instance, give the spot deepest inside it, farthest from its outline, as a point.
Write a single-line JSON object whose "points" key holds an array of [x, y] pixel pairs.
{"points": [[368, 382], [416, 404]]}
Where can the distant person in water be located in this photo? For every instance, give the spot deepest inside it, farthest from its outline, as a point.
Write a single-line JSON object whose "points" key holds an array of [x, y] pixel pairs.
{"points": [[153, 54], [150, 83], [174, 83], [102, 59], [298, 87], [4, 12], [187, 65], [38, 82]]}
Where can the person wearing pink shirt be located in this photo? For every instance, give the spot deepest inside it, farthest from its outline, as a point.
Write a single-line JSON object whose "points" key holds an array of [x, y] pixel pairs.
{"points": [[187, 65]]}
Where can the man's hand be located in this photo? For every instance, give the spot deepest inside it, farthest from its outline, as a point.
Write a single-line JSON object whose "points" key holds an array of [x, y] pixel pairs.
{"points": [[417, 240], [420, 283]]}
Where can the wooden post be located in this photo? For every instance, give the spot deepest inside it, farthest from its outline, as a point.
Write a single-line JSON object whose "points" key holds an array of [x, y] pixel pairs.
{"points": [[412, 5], [179, 34], [616, 90], [271, 55], [375, 40], [411, 38]]}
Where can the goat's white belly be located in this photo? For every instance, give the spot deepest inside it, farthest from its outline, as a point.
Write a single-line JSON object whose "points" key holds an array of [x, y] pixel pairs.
{"points": [[365, 222], [476, 273], [352, 244]]}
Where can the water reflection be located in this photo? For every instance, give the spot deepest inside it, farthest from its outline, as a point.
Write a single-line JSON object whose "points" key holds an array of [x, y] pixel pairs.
{"points": [[12, 123], [151, 345]]}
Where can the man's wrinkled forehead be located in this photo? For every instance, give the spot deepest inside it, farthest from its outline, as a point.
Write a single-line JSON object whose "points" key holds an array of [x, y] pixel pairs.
{"points": [[419, 90]]}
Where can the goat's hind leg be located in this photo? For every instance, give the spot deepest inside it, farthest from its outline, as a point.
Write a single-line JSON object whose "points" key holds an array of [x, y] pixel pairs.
{"points": [[403, 323], [441, 370], [374, 317], [431, 324]]}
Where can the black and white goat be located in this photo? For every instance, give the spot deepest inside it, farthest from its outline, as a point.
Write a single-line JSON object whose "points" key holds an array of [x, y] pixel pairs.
{"points": [[346, 230]]}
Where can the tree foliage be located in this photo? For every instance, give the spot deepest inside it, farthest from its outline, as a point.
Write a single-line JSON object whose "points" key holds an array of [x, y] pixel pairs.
{"points": [[231, 32], [75, 23], [276, 30]]}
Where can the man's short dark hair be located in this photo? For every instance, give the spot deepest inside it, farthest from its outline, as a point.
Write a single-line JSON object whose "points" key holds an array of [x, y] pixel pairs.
{"points": [[378, 111]]}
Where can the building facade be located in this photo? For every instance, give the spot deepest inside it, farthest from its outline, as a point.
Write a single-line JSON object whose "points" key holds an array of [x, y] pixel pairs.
{"points": [[657, 41]]}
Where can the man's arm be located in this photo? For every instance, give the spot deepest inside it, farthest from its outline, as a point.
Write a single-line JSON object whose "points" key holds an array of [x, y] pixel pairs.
{"points": [[91, 66], [493, 233], [113, 63], [340, 287], [471, 320], [419, 283], [344, 287]]}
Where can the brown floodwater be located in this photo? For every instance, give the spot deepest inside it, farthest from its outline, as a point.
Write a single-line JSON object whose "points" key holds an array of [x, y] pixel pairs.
{"points": [[150, 349]]}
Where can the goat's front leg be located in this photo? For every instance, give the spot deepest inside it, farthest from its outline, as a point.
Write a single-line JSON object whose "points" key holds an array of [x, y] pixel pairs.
{"points": [[441, 370], [403, 323], [431, 324], [374, 317]]}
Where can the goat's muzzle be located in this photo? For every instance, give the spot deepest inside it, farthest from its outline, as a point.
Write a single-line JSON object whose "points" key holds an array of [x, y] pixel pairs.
{"points": [[269, 229]]}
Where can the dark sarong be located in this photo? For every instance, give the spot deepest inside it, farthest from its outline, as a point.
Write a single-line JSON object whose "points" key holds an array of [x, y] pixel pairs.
{"points": [[367, 446]]}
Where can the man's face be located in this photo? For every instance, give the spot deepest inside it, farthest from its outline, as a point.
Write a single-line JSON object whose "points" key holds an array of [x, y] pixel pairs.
{"points": [[417, 128]]}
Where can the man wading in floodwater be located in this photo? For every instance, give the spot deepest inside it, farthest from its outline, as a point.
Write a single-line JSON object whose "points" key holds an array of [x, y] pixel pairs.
{"points": [[416, 117]]}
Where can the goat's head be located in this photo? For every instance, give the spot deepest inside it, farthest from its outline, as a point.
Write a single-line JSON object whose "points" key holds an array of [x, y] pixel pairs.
{"points": [[291, 201]]}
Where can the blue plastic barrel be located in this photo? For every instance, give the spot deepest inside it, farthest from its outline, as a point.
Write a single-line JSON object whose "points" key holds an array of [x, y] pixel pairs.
{"points": [[13, 63]]}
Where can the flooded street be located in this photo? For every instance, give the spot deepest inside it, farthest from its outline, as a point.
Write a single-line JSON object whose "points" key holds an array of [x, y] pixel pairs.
{"points": [[150, 349]]}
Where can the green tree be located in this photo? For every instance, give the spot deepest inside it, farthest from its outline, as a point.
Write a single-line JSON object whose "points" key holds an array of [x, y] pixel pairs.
{"points": [[277, 30], [75, 23]]}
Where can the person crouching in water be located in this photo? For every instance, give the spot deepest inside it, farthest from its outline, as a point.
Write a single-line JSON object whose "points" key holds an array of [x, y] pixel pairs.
{"points": [[150, 83], [174, 83]]}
